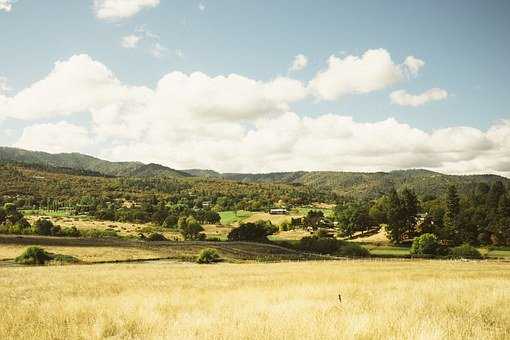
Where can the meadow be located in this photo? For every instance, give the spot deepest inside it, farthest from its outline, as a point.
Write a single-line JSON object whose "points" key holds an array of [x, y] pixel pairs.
{"points": [[359, 299]]}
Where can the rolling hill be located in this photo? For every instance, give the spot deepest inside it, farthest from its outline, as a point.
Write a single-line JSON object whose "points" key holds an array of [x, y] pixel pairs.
{"points": [[79, 161], [351, 184]]}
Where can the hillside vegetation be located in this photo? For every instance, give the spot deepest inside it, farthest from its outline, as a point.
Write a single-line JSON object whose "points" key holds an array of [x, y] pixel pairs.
{"points": [[343, 184]]}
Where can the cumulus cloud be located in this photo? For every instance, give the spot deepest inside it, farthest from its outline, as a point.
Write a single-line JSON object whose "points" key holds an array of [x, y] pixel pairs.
{"points": [[299, 63], [130, 41], [6, 5], [75, 85], [120, 9], [234, 123], [201, 6], [55, 138], [401, 97], [373, 71]]}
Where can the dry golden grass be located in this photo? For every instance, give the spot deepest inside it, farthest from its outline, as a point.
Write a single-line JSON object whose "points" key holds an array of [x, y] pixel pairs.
{"points": [[275, 219], [380, 300], [87, 254]]}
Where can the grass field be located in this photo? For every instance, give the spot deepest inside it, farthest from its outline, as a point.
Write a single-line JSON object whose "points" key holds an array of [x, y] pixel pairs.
{"points": [[298, 300]]}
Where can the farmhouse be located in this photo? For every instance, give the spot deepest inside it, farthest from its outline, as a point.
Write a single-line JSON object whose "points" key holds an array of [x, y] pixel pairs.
{"points": [[278, 211]]}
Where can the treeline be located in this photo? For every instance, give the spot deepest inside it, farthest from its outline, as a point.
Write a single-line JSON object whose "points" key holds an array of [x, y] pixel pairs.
{"points": [[480, 216], [31, 188]]}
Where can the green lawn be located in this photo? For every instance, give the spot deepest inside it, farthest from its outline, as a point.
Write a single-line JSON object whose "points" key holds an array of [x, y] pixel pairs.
{"points": [[231, 217]]}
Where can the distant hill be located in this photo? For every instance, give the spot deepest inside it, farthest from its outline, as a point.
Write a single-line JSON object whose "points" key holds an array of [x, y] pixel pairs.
{"points": [[157, 170], [203, 173], [352, 184], [359, 184], [79, 161]]}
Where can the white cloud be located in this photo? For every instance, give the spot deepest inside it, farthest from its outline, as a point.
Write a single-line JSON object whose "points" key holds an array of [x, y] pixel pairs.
{"points": [[401, 97], [413, 65], [120, 9], [130, 41], [201, 6], [73, 86], [234, 123], [373, 71], [58, 137], [6, 5], [299, 63], [179, 53]]}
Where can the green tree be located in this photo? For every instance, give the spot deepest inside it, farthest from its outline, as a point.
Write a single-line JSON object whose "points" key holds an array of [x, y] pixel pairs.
{"points": [[396, 217], [191, 229], [353, 217], [425, 244], [451, 217], [411, 208]]}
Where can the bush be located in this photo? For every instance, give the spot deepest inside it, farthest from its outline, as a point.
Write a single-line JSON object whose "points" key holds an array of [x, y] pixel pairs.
{"points": [[64, 259], [191, 229], [43, 227], [208, 255], [156, 237], [465, 251], [315, 244], [96, 233], [353, 250], [34, 256], [213, 239], [425, 244], [252, 232]]}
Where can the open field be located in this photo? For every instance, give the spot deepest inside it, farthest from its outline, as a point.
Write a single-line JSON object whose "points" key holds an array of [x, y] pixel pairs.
{"points": [[299, 300], [101, 250]]}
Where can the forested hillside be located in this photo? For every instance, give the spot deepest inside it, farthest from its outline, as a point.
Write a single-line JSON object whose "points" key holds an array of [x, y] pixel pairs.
{"points": [[84, 162], [339, 184], [372, 185]]}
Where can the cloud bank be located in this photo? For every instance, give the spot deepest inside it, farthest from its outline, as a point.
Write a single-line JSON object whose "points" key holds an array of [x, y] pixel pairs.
{"points": [[237, 124]]}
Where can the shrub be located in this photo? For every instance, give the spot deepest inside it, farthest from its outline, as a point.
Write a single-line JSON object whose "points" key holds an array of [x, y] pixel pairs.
{"points": [[70, 232], [191, 229], [465, 251], [156, 237], [315, 244], [252, 232], [208, 255], [213, 239], [43, 227], [425, 244], [353, 250], [321, 233], [96, 233], [33, 256], [64, 259]]}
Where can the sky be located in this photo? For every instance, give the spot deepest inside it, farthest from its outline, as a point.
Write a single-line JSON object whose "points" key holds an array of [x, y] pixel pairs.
{"points": [[260, 86]]}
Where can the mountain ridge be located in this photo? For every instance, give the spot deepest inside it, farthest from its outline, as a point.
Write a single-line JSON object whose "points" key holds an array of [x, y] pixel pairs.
{"points": [[425, 182]]}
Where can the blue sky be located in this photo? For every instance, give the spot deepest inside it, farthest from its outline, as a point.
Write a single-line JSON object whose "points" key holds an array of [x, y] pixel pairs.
{"points": [[463, 44]]}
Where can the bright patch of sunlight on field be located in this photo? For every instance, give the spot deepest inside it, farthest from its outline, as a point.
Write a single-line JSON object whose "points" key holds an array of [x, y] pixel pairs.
{"points": [[382, 299]]}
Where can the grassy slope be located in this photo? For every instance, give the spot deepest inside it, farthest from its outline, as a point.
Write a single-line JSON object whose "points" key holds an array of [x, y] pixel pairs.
{"points": [[97, 250]]}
